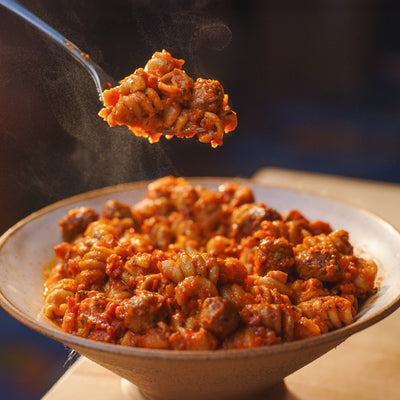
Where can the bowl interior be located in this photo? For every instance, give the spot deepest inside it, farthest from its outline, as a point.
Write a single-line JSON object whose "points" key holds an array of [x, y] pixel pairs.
{"points": [[26, 249]]}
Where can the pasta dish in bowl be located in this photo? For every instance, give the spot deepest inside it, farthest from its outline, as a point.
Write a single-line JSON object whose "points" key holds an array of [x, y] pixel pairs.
{"points": [[190, 268], [212, 287]]}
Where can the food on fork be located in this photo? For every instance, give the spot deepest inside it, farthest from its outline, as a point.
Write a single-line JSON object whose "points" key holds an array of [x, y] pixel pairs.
{"points": [[162, 100]]}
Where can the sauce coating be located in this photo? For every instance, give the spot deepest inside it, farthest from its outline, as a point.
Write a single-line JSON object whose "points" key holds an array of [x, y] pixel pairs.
{"points": [[190, 268]]}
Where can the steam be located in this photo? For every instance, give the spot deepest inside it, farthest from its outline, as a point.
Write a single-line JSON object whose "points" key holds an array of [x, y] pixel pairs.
{"points": [[183, 27], [215, 35], [104, 155], [90, 154]]}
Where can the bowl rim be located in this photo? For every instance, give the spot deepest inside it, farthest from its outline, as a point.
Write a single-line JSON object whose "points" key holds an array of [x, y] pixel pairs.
{"points": [[54, 332]]}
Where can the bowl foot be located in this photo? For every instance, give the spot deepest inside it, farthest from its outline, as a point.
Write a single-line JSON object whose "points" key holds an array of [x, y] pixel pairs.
{"points": [[278, 391], [131, 391]]}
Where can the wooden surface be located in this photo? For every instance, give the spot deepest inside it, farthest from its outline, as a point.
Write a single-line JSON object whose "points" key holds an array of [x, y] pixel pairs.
{"points": [[366, 366]]}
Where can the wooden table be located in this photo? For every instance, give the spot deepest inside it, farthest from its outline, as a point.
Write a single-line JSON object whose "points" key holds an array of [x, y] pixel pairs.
{"points": [[366, 366]]}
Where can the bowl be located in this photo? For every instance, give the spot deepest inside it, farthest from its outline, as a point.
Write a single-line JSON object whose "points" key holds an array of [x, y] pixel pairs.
{"points": [[224, 374]]}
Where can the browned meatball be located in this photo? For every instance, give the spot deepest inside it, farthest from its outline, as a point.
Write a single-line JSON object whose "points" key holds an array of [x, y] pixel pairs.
{"points": [[247, 218], [219, 316], [273, 254], [142, 311], [318, 257], [115, 209], [207, 95], [76, 221]]}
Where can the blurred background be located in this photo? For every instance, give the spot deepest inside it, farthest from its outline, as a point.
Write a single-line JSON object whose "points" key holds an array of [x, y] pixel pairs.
{"points": [[316, 87]]}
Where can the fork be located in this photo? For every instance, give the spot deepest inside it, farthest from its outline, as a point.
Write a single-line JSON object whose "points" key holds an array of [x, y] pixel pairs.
{"points": [[101, 79]]}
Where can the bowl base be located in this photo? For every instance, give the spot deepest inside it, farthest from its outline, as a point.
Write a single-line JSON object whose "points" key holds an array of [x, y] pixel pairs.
{"points": [[131, 391], [278, 391]]}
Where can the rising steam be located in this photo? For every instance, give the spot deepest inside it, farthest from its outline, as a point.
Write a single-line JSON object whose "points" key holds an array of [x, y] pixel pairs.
{"points": [[97, 155], [182, 27]]}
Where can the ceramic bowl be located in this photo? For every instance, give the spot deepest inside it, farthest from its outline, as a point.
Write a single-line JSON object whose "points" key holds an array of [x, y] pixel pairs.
{"points": [[161, 374]]}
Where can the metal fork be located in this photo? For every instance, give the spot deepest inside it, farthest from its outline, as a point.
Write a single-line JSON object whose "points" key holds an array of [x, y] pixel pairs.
{"points": [[101, 79]]}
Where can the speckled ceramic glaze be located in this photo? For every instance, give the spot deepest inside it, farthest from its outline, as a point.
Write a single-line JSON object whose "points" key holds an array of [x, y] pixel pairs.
{"points": [[173, 375]]}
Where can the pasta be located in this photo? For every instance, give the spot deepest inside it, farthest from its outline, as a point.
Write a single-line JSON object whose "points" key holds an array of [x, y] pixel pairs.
{"points": [[190, 268], [162, 99]]}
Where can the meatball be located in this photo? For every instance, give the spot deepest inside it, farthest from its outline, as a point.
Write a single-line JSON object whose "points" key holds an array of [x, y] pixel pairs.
{"points": [[115, 209], [318, 257], [247, 218], [76, 222], [207, 95], [273, 254], [142, 311], [219, 316]]}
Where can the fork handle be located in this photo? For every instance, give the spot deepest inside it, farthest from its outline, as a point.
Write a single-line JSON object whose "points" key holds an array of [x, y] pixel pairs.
{"points": [[70, 47]]}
